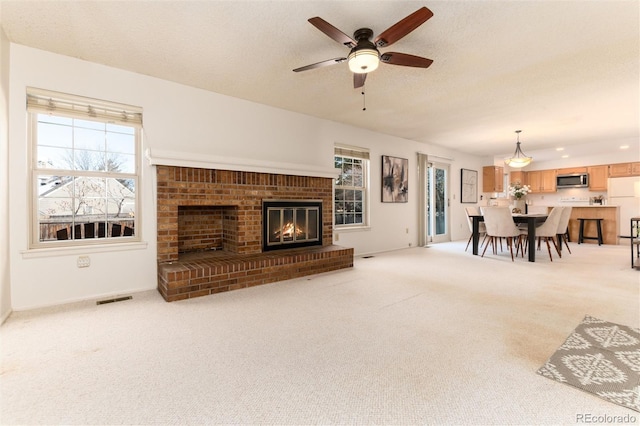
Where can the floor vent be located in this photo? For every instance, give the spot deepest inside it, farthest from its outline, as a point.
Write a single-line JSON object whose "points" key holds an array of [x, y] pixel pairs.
{"points": [[367, 257], [115, 299]]}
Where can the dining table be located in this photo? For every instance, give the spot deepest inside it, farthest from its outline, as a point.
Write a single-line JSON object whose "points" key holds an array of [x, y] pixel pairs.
{"points": [[531, 220]]}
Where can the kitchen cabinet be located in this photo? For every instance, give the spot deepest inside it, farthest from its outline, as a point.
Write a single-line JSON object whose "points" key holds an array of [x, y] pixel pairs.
{"points": [[571, 171], [624, 169], [492, 179], [542, 181], [598, 178], [518, 176]]}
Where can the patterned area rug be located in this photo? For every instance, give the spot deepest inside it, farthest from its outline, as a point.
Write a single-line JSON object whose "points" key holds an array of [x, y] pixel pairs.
{"points": [[601, 358]]}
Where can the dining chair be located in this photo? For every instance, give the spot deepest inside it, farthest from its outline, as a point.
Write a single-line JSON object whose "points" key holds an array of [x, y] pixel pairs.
{"points": [[491, 242], [482, 230], [116, 230], [102, 227], [563, 224], [549, 229], [62, 234], [499, 224], [90, 230]]}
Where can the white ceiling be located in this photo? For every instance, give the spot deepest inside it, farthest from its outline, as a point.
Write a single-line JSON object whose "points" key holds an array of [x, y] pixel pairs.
{"points": [[565, 72]]}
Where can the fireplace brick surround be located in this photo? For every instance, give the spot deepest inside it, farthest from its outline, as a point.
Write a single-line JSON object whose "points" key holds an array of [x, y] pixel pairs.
{"points": [[210, 231]]}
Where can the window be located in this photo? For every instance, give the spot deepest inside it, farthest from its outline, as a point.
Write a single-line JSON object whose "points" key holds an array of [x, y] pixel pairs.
{"points": [[351, 187], [85, 171]]}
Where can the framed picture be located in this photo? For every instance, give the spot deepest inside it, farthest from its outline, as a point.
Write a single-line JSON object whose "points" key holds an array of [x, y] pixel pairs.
{"points": [[395, 179], [468, 186]]}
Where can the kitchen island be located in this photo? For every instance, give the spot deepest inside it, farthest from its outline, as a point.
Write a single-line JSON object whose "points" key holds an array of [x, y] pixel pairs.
{"points": [[610, 216]]}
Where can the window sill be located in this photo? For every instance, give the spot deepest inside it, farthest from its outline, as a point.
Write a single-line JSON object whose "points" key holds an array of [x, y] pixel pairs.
{"points": [[354, 228], [86, 249]]}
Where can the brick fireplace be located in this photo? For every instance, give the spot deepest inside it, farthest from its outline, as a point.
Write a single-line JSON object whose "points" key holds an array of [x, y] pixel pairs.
{"points": [[210, 230]]}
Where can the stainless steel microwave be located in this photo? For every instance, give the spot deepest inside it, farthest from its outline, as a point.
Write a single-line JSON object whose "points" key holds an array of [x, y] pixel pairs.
{"points": [[576, 180]]}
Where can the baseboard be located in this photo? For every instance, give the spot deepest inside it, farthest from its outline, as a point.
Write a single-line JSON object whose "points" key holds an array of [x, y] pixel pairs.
{"points": [[5, 316], [90, 300], [372, 253]]}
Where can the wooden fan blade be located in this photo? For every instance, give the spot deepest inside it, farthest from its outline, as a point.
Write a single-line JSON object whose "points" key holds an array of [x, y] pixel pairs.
{"points": [[332, 32], [358, 80], [321, 64], [404, 59], [403, 27]]}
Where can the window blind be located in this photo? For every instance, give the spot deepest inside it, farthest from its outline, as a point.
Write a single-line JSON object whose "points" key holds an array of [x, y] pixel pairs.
{"points": [[48, 102], [352, 152]]}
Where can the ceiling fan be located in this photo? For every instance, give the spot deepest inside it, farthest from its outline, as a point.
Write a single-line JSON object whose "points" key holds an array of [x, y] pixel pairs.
{"points": [[364, 56]]}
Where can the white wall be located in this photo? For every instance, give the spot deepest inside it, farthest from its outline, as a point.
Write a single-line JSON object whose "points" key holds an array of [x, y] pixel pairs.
{"points": [[48, 277], [390, 221], [178, 120], [5, 288]]}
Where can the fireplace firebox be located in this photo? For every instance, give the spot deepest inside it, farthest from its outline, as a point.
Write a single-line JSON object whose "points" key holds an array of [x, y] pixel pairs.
{"points": [[291, 223]]}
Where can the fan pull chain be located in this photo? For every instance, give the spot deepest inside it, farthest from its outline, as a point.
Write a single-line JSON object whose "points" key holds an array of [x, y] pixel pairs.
{"points": [[364, 101]]}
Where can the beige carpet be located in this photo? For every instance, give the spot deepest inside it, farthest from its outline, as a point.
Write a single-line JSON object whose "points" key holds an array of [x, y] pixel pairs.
{"points": [[601, 358], [416, 336]]}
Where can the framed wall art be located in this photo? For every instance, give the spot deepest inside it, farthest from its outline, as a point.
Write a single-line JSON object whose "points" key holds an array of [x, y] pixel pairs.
{"points": [[395, 179], [468, 186]]}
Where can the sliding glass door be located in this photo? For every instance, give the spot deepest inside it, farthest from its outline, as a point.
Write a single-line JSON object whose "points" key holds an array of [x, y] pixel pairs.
{"points": [[437, 200], [433, 225]]}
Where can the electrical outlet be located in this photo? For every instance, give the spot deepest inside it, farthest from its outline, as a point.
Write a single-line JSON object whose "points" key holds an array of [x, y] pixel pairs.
{"points": [[407, 230], [84, 261], [337, 237]]}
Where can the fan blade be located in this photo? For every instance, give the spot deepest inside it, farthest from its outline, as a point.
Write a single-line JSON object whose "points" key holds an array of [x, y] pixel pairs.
{"points": [[404, 59], [332, 32], [403, 27], [321, 64], [358, 80]]}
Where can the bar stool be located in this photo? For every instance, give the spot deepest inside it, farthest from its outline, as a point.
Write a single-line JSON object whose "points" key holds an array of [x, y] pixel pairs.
{"points": [[581, 236]]}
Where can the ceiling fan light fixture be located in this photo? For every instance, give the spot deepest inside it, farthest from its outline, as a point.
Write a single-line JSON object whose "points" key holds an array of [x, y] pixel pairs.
{"points": [[519, 158], [362, 61]]}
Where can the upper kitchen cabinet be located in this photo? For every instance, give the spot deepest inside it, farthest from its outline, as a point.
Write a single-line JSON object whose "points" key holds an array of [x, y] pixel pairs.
{"points": [[598, 178], [542, 181], [492, 179], [624, 169], [518, 176], [571, 171]]}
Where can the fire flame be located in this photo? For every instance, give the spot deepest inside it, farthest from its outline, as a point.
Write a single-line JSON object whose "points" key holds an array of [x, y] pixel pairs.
{"points": [[288, 230]]}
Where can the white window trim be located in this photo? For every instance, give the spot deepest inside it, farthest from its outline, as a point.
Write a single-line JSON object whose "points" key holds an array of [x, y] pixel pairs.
{"points": [[84, 249], [363, 153], [40, 101]]}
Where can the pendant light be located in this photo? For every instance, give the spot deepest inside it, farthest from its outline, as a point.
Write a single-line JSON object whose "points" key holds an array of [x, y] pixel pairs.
{"points": [[519, 158]]}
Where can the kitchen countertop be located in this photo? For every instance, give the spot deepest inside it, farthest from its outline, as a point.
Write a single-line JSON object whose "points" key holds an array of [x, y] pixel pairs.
{"points": [[539, 206], [586, 205]]}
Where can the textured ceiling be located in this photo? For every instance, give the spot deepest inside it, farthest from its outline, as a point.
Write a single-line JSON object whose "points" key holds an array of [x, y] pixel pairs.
{"points": [[565, 72]]}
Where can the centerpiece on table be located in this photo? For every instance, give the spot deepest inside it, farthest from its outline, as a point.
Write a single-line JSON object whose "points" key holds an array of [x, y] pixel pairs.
{"points": [[519, 192]]}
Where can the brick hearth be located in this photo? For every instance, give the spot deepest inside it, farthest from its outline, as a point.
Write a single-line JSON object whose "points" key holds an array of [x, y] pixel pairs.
{"points": [[201, 274], [210, 231]]}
